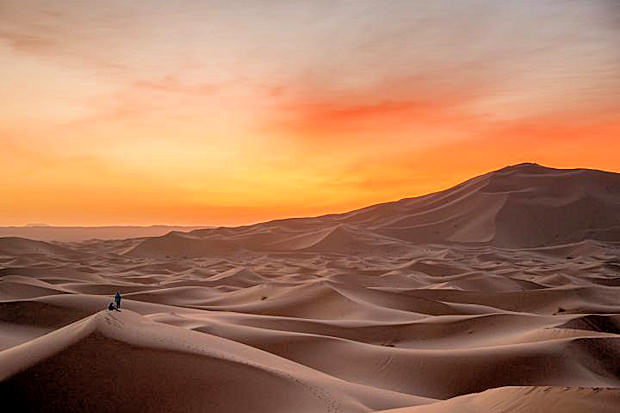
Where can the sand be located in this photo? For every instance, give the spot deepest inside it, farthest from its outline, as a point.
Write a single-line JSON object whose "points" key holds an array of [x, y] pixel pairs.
{"points": [[501, 295]]}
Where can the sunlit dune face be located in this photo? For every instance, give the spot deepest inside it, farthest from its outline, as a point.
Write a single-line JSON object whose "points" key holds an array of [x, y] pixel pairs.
{"points": [[216, 113]]}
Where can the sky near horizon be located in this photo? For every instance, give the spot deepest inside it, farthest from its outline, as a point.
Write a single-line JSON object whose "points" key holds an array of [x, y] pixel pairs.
{"points": [[232, 112]]}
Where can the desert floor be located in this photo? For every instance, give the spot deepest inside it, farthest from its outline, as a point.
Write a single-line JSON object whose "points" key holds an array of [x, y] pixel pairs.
{"points": [[311, 331]]}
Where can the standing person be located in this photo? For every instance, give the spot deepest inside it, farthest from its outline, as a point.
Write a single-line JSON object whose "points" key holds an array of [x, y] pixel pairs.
{"points": [[117, 300]]}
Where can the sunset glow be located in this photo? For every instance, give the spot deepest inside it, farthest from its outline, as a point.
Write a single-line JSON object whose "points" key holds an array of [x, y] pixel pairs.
{"points": [[223, 113]]}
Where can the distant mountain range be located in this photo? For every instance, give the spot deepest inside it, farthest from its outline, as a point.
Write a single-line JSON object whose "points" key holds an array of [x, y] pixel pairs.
{"points": [[44, 232]]}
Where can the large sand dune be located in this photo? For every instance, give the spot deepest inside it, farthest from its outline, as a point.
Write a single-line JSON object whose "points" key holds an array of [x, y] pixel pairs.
{"points": [[501, 294]]}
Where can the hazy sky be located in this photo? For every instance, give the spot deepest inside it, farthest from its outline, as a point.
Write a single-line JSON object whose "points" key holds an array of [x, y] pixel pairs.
{"points": [[228, 112]]}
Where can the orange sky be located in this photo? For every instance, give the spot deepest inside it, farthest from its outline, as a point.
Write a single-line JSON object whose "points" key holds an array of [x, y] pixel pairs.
{"points": [[215, 112]]}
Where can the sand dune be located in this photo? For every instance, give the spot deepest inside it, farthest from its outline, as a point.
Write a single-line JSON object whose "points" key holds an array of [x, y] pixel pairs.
{"points": [[11, 246], [521, 206], [202, 371], [527, 399], [501, 294]]}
